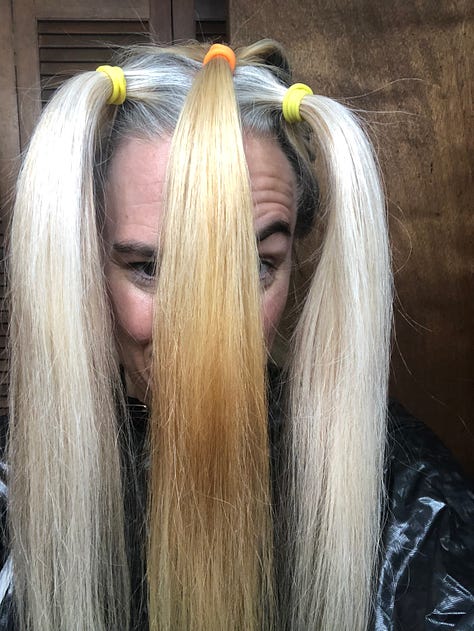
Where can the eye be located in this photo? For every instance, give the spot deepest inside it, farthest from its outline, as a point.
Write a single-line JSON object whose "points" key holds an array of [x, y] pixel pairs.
{"points": [[266, 273], [143, 271]]}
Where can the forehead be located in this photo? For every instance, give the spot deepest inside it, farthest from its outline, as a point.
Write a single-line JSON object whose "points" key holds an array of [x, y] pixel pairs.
{"points": [[136, 180], [134, 188]]}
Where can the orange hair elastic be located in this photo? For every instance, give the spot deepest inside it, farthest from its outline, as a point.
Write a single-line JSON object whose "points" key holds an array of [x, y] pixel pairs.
{"points": [[221, 50]]}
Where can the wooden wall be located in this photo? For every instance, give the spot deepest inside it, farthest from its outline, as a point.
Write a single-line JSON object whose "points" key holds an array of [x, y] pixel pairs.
{"points": [[407, 61]]}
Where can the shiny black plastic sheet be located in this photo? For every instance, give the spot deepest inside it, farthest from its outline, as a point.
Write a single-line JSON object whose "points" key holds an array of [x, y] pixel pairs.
{"points": [[427, 568]]}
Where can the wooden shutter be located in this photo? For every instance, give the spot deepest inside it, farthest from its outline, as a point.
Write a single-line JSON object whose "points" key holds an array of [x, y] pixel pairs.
{"points": [[67, 47], [211, 20], [9, 152]]}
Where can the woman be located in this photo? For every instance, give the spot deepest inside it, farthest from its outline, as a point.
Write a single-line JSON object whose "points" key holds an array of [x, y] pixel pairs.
{"points": [[157, 214]]}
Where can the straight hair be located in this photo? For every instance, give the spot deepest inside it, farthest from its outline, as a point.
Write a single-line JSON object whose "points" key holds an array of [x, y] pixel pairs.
{"points": [[210, 554]]}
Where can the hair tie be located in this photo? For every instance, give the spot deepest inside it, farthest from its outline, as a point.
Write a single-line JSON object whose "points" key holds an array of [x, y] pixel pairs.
{"points": [[221, 50], [292, 101], [119, 84]]}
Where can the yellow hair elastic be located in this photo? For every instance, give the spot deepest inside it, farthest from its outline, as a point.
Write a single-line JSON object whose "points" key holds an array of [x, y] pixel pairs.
{"points": [[220, 50], [292, 101], [119, 84]]}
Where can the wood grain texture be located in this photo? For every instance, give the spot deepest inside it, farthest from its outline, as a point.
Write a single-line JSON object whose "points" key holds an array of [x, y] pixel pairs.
{"points": [[408, 63]]}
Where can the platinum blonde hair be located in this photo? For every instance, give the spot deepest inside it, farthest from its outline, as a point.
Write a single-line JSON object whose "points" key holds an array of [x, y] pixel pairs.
{"points": [[224, 558]]}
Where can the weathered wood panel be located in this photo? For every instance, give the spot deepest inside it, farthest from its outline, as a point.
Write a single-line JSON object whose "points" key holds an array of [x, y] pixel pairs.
{"points": [[408, 61]]}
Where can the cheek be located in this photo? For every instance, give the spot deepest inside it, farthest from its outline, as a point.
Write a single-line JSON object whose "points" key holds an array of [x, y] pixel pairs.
{"points": [[273, 305], [133, 310]]}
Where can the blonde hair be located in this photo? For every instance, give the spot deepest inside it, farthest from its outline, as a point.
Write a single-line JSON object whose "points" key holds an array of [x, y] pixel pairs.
{"points": [[65, 505], [212, 561], [211, 545]]}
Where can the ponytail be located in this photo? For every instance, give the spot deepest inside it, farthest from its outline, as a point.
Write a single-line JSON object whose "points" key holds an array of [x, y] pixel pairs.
{"points": [[338, 386], [66, 506], [210, 554]]}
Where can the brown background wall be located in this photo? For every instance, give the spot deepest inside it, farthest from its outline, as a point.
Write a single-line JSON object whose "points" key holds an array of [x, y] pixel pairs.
{"points": [[408, 62]]}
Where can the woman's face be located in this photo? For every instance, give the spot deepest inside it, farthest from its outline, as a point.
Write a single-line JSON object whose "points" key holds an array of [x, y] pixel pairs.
{"points": [[134, 212]]}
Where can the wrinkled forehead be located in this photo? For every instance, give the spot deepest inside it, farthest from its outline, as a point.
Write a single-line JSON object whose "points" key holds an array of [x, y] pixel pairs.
{"points": [[137, 176]]}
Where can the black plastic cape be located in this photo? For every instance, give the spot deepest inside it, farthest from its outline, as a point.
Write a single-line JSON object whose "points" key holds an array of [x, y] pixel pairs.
{"points": [[426, 579]]}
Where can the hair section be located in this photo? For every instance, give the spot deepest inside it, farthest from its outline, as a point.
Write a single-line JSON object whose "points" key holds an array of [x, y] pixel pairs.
{"points": [[66, 503], [210, 556], [338, 387], [331, 477]]}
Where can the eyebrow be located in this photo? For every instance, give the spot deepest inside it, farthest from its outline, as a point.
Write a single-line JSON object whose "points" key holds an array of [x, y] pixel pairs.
{"points": [[276, 226], [137, 248]]}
